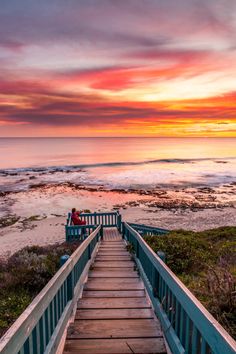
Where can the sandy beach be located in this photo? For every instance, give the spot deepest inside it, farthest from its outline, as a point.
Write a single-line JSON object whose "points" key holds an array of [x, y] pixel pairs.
{"points": [[37, 216]]}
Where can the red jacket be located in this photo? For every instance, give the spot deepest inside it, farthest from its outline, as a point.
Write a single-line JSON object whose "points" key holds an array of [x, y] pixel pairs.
{"points": [[76, 220]]}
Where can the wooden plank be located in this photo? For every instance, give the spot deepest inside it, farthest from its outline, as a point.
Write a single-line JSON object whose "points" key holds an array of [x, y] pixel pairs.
{"points": [[111, 346], [110, 269], [113, 258], [114, 314], [114, 284], [141, 328], [112, 264], [111, 245], [112, 249], [112, 254], [113, 293], [113, 303], [107, 250], [120, 246], [112, 242], [114, 274]]}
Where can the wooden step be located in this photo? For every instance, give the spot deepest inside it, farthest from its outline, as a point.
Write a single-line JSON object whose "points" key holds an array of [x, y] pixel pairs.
{"points": [[113, 274], [114, 284], [113, 252], [111, 314], [112, 264], [113, 303], [113, 269], [113, 258], [116, 247], [114, 316], [113, 294], [118, 346], [141, 328]]}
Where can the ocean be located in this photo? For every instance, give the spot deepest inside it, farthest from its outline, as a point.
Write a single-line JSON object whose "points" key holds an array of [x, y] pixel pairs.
{"points": [[117, 162]]}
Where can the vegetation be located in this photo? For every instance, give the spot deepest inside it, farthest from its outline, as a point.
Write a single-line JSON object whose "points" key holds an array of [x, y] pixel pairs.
{"points": [[9, 220], [206, 263], [23, 275]]}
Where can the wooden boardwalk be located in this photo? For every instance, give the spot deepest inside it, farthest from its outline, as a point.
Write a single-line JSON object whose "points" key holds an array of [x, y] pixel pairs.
{"points": [[114, 315]]}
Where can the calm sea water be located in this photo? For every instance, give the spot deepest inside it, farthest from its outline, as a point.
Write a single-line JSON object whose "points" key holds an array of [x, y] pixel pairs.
{"points": [[118, 162]]}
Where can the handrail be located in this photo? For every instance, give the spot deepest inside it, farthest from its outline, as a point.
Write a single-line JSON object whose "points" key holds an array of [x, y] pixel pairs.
{"points": [[107, 219], [148, 230], [40, 327], [187, 325], [78, 232]]}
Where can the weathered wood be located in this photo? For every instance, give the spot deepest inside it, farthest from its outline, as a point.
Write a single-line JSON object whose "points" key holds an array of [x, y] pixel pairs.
{"points": [[114, 269], [112, 258], [112, 264], [113, 314], [114, 284], [112, 253], [114, 274], [113, 247], [113, 293], [111, 346], [141, 328], [113, 303]]}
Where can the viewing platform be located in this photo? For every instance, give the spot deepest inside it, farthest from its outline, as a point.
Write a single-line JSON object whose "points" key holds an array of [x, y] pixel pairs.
{"points": [[114, 295]]}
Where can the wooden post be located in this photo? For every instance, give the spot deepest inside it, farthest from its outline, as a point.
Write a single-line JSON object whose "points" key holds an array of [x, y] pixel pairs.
{"points": [[101, 232], [89, 251], [70, 288]]}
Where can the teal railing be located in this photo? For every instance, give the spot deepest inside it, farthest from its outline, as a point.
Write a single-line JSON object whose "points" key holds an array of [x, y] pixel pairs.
{"points": [[148, 230], [78, 232], [40, 327], [188, 327], [75, 232]]}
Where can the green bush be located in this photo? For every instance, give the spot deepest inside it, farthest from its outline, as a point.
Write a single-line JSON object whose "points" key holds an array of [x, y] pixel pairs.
{"points": [[24, 274], [206, 263], [184, 252]]}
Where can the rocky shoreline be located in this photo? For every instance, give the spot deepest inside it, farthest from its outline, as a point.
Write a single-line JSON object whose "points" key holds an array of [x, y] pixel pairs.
{"points": [[37, 215]]}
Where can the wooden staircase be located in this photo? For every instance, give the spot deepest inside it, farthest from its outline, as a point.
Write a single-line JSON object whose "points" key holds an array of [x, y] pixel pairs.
{"points": [[114, 315]]}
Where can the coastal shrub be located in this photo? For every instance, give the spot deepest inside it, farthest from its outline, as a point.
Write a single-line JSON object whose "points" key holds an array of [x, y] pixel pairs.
{"points": [[24, 274], [12, 304], [206, 263], [184, 253]]}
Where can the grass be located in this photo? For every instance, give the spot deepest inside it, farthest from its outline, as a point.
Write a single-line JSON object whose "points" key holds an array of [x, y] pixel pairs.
{"points": [[23, 275], [206, 263]]}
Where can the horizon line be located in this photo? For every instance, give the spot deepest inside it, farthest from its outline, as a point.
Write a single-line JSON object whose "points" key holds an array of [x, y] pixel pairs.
{"points": [[116, 137]]}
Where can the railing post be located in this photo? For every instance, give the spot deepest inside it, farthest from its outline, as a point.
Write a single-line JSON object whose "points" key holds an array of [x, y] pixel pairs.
{"points": [[123, 230], [118, 222], [137, 249], [89, 251], [155, 282], [101, 232], [95, 218], [70, 287]]}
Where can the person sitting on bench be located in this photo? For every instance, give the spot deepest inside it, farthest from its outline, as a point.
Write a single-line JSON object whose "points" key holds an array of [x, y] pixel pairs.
{"points": [[75, 218]]}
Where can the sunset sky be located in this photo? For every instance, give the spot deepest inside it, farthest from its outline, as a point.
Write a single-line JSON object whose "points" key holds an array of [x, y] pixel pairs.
{"points": [[118, 68]]}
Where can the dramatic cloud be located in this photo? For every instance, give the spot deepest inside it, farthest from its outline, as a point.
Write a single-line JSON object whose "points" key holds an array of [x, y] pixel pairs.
{"points": [[100, 67]]}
